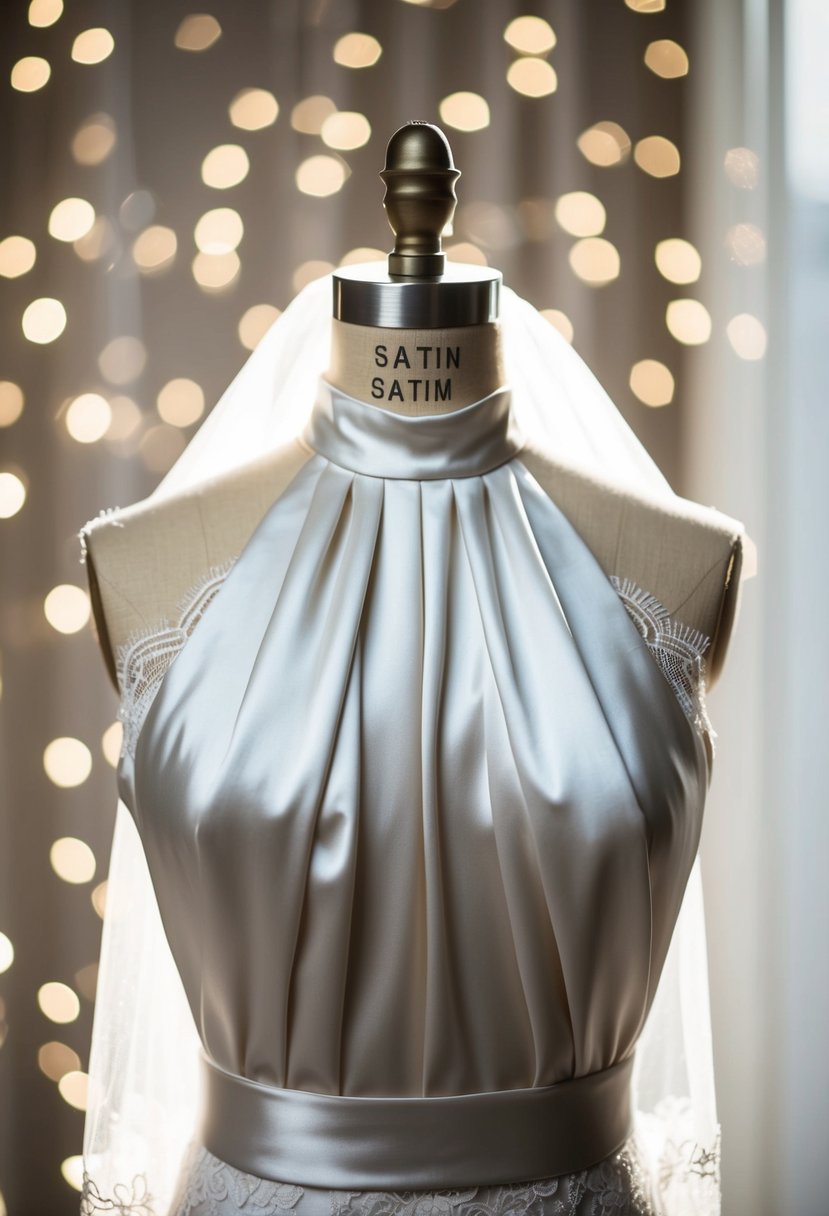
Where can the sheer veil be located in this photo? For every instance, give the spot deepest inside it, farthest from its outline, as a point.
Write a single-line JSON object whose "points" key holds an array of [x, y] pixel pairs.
{"points": [[144, 1092]]}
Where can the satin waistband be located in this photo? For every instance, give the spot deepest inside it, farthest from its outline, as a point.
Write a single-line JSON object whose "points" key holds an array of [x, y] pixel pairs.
{"points": [[415, 1143]]}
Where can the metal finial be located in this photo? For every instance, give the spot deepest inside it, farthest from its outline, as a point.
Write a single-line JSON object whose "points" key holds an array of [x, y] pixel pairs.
{"points": [[420, 198]]}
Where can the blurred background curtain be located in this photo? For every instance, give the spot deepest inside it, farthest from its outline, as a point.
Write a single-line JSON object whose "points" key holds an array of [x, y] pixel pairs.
{"points": [[652, 175]]}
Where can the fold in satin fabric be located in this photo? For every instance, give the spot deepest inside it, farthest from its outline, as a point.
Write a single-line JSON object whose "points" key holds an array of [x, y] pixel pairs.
{"points": [[418, 805]]}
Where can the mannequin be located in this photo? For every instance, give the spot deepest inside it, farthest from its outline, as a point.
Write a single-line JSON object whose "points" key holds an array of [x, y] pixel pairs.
{"points": [[143, 559]]}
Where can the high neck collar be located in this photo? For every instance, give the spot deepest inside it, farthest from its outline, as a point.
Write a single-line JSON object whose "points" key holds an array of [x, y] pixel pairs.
{"points": [[369, 439]]}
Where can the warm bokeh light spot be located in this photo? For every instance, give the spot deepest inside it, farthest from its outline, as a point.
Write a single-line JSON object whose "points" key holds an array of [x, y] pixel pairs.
{"points": [[657, 156], [67, 762], [180, 402], [320, 176], [646, 6], [666, 58], [56, 1059], [219, 231], [363, 253], [30, 74], [98, 899], [560, 321], [747, 335], [309, 114], [12, 494], [126, 418], [595, 260], [652, 382], [465, 111], [6, 953], [93, 46], [580, 213], [253, 109], [604, 144], [742, 168], [746, 244], [43, 13], [688, 321], [17, 256], [70, 219], [532, 77], [111, 741], [94, 140], [465, 251], [306, 272], [71, 1169], [73, 1088], [11, 402], [255, 323], [161, 446], [154, 249], [122, 360], [225, 166], [86, 980], [66, 608], [72, 860], [97, 242], [530, 35], [678, 261], [216, 272], [345, 130], [44, 320], [197, 32], [88, 418], [357, 50], [58, 1002]]}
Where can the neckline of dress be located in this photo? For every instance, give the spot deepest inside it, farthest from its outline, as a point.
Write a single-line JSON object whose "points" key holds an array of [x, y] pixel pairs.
{"points": [[374, 441]]}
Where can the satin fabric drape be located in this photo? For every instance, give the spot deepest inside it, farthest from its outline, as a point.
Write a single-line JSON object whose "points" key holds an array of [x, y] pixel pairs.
{"points": [[418, 804]]}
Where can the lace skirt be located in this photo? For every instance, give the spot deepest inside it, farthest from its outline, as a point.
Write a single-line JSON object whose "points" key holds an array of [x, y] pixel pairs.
{"points": [[617, 1186]]}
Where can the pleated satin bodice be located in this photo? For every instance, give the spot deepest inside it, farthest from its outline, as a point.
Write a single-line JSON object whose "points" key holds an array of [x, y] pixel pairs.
{"points": [[418, 804]]}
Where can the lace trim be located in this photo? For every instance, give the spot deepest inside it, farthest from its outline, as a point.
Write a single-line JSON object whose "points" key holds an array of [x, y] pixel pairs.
{"points": [[143, 658], [677, 648]]}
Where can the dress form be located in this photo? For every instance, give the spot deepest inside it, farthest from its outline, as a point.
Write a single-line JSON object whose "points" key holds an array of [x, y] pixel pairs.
{"points": [[424, 339]]}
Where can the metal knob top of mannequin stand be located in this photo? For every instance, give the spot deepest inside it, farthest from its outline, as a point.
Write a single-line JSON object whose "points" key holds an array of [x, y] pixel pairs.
{"points": [[418, 288]]}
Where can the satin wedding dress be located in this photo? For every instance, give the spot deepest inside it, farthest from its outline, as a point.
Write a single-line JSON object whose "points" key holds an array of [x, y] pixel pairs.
{"points": [[420, 787]]}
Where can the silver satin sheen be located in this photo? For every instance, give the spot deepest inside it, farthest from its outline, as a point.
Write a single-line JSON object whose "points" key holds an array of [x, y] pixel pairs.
{"points": [[419, 809]]}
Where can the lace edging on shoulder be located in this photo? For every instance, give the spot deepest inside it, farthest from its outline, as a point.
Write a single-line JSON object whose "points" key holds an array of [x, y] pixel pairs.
{"points": [[143, 658], [678, 648]]}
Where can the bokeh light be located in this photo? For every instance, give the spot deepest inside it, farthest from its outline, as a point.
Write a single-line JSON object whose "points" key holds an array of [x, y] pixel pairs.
{"points": [[225, 166], [154, 249], [652, 382], [44, 320], [595, 261], [678, 261], [465, 111], [12, 494], [357, 50], [530, 35], [688, 321], [580, 213], [180, 402], [308, 115], [30, 74], [560, 321], [73, 1088], [346, 130], [94, 139], [70, 219], [17, 256], [646, 6], [111, 741], [742, 167], [6, 953], [215, 272], [72, 860], [11, 402], [746, 244], [255, 323], [666, 58], [88, 418], [219, 231], [99, 241], [67, 762], [306, 272], [320, 175], [93, 46], [67, 608], [532, 77], [253, 109], [465, 251], [604, 144], [657, 156], [58, 1002], [197, 32], [43, 13], [747, 336], [56, 1059], [122, 360]]}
